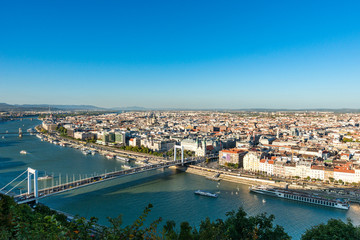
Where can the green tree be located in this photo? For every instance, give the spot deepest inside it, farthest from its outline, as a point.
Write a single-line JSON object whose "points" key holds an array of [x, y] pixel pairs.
{"points": [[239, 226], [334, 229], [185, 231]]}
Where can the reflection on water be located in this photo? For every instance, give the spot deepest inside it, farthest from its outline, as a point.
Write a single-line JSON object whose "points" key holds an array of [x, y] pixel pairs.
{"points": [[170, 192]]}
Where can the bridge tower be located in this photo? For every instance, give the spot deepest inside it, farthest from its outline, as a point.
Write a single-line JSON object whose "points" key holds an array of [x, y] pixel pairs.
{"points": [[32, 172], [182, 153]]}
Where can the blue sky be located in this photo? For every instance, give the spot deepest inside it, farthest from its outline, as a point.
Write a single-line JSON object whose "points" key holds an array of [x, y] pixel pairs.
{"points": [[181, 54]]}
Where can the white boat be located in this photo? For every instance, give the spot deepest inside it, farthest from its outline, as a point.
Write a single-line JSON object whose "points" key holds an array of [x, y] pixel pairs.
{"points": [[301, 197], [207, 194], [122, 159], [30, 130], [23, 152], [85, 151], [46, 177], [109, 156], [126, 167]]}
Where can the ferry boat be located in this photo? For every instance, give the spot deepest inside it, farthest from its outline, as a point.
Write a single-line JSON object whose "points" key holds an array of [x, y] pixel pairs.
{"points": [[207, 194], [301, 197], [122, 159], [46, 177], [23, 152]]}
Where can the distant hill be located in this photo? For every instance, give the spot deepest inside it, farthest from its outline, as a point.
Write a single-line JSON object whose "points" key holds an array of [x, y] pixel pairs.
{"points": [[45, 107], [133, 108], [64, 107], [4, 107]]}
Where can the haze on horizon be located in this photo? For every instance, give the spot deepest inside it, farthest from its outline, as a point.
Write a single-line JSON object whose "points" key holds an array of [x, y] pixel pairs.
{"points": [[181, 54]]}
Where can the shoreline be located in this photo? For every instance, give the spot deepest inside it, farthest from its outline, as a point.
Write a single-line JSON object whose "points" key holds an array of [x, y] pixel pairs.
{"points": [[235, 178], [224, 176]]}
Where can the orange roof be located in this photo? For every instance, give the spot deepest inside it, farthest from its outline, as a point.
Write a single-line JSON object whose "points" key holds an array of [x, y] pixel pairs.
{"points": [[317, 167], [232, 150], [344, 170], [263, 160], [271, 162]]}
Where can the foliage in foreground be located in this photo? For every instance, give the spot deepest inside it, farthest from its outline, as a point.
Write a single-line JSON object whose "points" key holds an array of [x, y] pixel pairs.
{"points": [[334, 230], [23, 222]]}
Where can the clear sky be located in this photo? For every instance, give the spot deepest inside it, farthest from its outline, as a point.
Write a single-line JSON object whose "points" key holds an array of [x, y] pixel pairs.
{"points": [[181, 54]]}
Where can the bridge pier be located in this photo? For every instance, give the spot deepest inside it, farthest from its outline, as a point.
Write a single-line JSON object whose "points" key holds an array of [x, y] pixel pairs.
{"points": [[182, 153], [181, 168], [32, 172]]}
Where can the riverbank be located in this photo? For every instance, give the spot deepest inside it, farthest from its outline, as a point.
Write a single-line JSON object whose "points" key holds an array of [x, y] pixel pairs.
{"points": [[94, 148], [229, 177], [237, 178]]}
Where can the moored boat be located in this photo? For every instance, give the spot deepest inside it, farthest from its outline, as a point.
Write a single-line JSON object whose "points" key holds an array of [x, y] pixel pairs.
{"points": [[122, 159], [301, 197], [126, 167], [46, 177]]}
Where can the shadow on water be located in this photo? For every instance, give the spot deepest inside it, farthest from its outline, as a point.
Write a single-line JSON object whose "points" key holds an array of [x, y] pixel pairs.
{"points": [[7, 165], [8, 143], [12, 174], [6, 159], [100, 189]]}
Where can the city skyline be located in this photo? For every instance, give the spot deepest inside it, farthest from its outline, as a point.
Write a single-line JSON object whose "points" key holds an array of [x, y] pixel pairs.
{"points": [[203, 55]]}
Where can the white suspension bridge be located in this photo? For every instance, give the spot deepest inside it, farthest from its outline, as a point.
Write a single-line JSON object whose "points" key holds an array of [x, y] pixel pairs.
{"points": [[33, 193]]}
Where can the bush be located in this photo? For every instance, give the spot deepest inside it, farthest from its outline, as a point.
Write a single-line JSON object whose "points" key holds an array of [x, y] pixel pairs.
{"points": [[334, 229]]}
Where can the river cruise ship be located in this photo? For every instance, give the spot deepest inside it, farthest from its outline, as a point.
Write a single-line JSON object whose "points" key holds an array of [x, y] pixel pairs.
{"points": [[301, 197]]}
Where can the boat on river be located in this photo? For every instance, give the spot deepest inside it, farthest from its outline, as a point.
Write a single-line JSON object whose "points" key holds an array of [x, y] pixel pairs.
{"points": [[46, 177], [207, 194], [301, 197], [86, 151], [23, 152], [123, 159]]}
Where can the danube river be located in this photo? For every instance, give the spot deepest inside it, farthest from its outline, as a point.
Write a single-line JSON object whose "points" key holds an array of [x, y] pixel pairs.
{"points": [[170, 192]]}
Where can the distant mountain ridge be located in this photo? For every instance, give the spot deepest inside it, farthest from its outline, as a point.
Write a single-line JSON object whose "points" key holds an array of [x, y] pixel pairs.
{"points": [[46, 107], [63, 107], [54, 107]]}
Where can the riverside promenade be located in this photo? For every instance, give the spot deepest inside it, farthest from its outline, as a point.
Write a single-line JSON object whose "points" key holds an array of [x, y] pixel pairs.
{"points": [[324, 191]]}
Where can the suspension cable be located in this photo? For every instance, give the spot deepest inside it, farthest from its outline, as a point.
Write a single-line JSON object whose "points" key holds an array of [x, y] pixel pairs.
{"points": [[16, 185], [13, 180]]}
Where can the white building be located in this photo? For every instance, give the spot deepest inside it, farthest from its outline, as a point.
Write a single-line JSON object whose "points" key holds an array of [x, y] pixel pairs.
{"points": [[317, 172], [251, 161]]}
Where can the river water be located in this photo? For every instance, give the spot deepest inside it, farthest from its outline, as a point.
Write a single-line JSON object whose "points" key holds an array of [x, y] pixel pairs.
{"points": [[170, 191]]}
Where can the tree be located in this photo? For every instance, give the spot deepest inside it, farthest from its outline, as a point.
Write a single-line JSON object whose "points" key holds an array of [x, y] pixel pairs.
{"points": [[335, 229], [239, 226], [185, 231], [169, 230]]}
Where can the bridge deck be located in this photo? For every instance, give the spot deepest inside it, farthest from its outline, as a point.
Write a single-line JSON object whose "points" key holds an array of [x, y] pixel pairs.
{"points": [[24, 198]]}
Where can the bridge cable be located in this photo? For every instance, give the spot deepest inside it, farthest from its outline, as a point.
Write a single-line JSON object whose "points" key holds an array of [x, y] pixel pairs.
{"points": [[16, 185], [13, 180]]}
